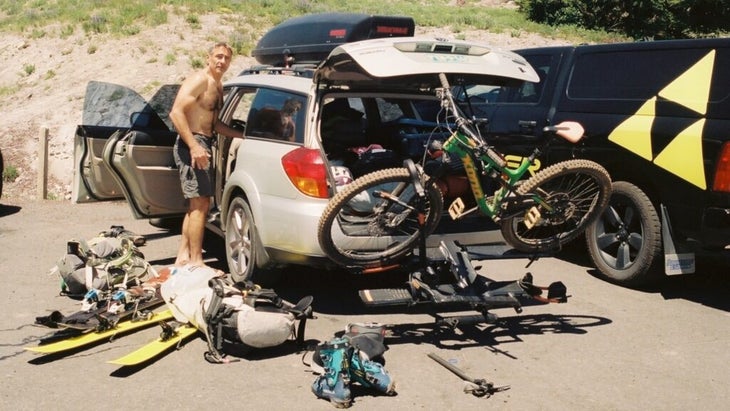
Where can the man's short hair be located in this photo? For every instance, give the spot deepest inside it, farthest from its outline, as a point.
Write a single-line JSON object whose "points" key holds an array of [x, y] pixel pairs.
{"points": [[220, 44]]}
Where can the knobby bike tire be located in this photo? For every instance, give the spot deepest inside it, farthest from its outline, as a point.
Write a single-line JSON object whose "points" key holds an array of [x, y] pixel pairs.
{"points": [[354, 232], [578, 189]]}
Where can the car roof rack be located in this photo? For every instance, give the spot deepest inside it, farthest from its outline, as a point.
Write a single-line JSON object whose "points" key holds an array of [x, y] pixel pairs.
{"points": [[301, 70]]}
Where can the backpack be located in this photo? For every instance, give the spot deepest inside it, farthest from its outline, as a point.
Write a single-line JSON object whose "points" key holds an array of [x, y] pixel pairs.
{"points": [[109, 260], [237, 313]]}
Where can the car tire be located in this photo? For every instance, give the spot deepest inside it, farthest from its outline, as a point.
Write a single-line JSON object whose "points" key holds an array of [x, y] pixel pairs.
{"points": [[625, 242], [244, 251]]}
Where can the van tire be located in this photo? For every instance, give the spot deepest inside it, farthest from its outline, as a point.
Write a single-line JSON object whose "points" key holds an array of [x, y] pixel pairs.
{"points": [[629, 228], [244, 251]]}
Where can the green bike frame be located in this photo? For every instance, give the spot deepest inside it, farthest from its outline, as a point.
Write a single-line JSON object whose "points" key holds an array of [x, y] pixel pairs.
{"points": [[491, 162]]}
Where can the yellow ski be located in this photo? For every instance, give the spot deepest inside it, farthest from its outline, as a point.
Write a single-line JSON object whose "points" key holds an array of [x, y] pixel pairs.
{"points": [[169, 338], [82, 340]]}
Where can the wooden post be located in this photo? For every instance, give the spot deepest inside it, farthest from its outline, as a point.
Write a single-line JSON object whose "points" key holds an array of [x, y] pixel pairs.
{"points": [[42, 182]]}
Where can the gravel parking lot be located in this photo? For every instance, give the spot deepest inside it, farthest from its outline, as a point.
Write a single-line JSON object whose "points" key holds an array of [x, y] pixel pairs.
{"points": [[608, 348]]}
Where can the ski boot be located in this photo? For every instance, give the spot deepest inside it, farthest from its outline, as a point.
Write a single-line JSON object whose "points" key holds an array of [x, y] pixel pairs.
{"points": [[370, 374], [90, 300], [334, 383], [334, 388], [119, 302]]}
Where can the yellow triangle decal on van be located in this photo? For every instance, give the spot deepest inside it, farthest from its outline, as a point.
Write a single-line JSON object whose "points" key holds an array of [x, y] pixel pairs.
{"points": [[692, 88], [634, 134], [683, 156]]}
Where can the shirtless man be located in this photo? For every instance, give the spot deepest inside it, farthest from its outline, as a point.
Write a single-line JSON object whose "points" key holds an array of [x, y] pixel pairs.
{"points": [[195, 116]]}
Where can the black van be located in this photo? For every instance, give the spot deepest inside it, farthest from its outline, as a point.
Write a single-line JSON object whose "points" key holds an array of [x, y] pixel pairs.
{"points": [[657, 116]]}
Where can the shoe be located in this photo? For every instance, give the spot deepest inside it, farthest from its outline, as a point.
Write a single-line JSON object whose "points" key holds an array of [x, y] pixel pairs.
{"points": [[333, 387], [371, 374]]}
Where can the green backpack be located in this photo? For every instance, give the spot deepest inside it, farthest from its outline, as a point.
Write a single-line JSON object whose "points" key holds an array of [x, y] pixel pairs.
{"points": [[109, 260]]}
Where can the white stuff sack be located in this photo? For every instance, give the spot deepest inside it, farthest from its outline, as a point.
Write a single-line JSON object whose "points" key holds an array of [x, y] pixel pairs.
{"points": [[261, 329], [187, 293]]}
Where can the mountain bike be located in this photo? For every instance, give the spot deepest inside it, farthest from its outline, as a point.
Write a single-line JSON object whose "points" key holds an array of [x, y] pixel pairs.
{"points": [[378, 218]]}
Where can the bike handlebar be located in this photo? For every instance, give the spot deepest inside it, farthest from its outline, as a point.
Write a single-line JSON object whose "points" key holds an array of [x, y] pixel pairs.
{"points": [[568, 130], [444, 81], [461, 122]]}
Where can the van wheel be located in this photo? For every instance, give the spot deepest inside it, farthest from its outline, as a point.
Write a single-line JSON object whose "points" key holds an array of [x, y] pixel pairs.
{"points": [[625, 242], [243, 245]]}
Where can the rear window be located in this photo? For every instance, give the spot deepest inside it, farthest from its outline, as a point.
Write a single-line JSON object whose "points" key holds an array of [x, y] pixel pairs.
{"points": [[277, 115]]}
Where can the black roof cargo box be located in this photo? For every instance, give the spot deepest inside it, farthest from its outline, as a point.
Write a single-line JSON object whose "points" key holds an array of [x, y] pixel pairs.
{"points": [[310, 38]]}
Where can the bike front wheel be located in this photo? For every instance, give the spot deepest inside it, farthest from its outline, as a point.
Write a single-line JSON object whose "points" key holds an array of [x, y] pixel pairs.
{"points": [[577, 191], [376, 220]]}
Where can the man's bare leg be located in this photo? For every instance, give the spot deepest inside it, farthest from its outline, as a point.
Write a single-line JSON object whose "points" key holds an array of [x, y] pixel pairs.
{"points": [[183, 252], [196, 218]]}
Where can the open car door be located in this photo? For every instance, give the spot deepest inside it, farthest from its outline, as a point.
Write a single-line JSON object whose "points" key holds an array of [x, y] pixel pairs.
{"points": [[123, 148]]}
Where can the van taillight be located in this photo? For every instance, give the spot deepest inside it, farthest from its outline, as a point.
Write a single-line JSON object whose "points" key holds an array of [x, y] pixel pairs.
{"points": [[722, 170], [305, 168]]}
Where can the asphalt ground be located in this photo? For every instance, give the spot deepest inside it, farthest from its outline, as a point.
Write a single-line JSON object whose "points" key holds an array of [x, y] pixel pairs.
{"points": [[608, 348]]}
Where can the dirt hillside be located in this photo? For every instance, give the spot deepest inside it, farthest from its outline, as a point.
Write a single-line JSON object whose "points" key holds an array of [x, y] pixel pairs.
{"points": [[43, 81]]}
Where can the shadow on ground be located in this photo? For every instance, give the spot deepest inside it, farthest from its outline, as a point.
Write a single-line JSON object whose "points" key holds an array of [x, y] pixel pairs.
{"points": [[6, 210], [709, 285]]}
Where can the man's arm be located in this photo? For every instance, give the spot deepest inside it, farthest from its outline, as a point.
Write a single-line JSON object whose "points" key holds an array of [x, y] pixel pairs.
{"points": [[228, 131]]}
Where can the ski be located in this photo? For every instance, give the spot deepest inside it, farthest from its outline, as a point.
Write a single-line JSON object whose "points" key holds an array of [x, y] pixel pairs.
{"points": [[82, 340], [172, 335]]}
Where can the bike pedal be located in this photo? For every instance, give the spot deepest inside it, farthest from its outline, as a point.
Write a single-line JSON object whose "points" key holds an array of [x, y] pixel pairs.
{"points": [[532, 217], [456, 209]]}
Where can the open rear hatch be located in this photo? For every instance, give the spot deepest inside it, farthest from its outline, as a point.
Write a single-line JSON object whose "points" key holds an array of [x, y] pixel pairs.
{"points": [[416, 62]]}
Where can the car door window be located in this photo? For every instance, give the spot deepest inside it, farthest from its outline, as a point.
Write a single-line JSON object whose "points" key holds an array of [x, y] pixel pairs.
{"points": [[276, 115], [238, 108]]}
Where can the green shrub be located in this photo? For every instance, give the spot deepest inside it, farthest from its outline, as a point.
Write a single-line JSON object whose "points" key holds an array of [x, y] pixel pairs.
{"points": [[197, 62], [28, 69], [10, 174], [170, 59], [193, 20]]}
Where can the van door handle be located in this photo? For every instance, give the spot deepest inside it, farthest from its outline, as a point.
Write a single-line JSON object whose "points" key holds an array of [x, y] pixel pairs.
{"points": [[527, 126]]}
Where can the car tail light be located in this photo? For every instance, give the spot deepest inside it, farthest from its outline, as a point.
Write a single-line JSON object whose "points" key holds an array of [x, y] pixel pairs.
{"points": [[722, 170], [305, 168]]}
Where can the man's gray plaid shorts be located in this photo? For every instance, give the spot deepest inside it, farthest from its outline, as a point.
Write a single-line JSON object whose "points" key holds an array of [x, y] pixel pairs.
{"points": [[195, 182]]}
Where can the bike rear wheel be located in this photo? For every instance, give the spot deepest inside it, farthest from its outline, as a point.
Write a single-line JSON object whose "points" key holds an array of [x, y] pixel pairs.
{"points": [[374, 221], [577, 190]]}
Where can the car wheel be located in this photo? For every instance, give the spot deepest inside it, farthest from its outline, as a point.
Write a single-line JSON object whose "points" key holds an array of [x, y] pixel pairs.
{"points": [[625, 242], [243, 246]]}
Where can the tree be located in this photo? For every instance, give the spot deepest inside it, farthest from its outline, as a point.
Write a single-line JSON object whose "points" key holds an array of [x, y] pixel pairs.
{"points": [[656, 19]]}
